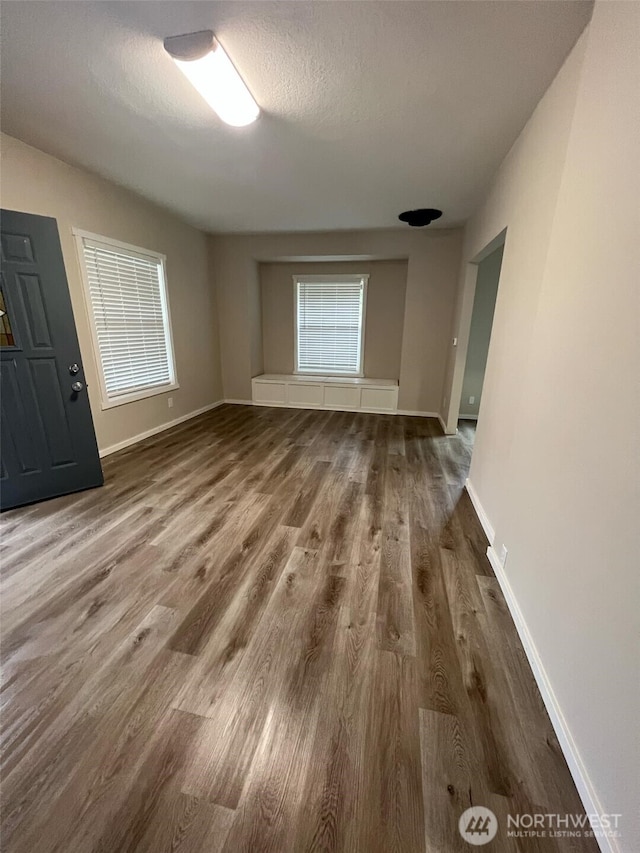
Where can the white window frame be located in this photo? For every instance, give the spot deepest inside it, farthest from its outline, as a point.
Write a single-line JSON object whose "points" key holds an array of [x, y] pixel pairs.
{"points": [[330, 279], [109, 402]]}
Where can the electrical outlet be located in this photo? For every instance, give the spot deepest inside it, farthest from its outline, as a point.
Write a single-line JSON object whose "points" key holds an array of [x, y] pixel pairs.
{"points": [[472, 400], [455, 342], [502, 556], [170, 402]]}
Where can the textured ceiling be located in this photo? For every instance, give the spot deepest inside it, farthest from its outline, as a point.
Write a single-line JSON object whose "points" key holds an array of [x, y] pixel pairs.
{"points": [[369, 108]]}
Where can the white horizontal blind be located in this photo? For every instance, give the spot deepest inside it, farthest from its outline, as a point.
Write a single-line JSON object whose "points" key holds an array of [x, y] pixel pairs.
{"points": [[128, 303], [329, 325]]}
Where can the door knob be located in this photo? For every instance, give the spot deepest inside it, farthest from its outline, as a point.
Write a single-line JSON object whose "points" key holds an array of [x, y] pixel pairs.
{"points": [[77, 386]]}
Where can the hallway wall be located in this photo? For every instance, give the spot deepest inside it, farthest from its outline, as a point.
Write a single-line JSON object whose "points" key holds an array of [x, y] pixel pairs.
{"points": [[555, 460]]}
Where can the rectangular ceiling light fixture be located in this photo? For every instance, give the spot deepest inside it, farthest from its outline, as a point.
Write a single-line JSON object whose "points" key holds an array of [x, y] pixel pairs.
{"points": [[203, 61]]}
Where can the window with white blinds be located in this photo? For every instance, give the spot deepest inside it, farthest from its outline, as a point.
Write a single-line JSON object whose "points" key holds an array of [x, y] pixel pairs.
{"points": [[128, 304], [330, 324]]}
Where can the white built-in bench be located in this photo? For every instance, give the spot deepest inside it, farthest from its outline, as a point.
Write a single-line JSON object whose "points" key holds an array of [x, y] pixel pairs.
{"points": [[344, 393]]}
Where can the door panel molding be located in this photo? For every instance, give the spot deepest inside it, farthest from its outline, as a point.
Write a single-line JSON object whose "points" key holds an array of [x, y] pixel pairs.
{"points": [[48, 441]]}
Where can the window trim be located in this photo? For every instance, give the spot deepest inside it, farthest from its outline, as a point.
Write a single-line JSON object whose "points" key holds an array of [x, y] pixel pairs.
{"points": [[107, 402], [349, 278]]}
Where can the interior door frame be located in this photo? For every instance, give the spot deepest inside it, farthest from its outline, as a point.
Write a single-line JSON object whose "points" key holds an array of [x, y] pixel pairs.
{"points": [[463, 331]]}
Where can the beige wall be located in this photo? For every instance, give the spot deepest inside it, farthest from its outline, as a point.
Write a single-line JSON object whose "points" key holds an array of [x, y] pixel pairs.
{"points": [[556, 458], [34, 182], [484, 302], [433, 260], [384, 319]]}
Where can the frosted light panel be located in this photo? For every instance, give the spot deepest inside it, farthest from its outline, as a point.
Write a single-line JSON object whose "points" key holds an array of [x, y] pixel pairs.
{"points": [[216, 79]]}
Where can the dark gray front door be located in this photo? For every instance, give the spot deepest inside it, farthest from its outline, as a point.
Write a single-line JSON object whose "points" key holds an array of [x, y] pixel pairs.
{"points": [[47, 443]]}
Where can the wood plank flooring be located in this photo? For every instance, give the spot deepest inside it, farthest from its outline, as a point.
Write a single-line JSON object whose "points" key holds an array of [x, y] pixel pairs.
{"points": [[271, 630]]}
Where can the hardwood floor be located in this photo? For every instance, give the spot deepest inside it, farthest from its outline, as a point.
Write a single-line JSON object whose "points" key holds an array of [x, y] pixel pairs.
{"points": [[271, 630]]}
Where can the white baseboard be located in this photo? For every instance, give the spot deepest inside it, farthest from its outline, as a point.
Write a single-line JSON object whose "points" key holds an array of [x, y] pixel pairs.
{"points": [[415, 414], [462, 417], [584, 785], [482, 515], [127, 442], [239, 402]]}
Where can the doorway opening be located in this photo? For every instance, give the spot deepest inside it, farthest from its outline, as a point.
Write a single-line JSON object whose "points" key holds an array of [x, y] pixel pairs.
{"points": [[484, 303]]}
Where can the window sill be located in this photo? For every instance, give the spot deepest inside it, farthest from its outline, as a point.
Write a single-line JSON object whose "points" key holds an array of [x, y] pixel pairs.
{"points": [[138, 395]]}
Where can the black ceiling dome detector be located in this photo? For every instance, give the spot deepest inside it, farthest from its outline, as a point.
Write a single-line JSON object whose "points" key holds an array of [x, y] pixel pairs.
{"points": [[421, 217]]}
